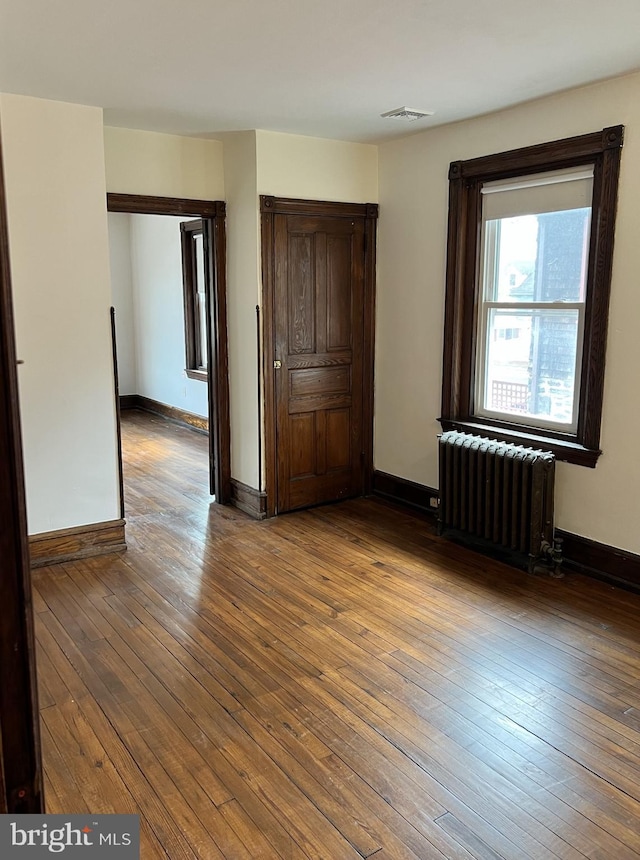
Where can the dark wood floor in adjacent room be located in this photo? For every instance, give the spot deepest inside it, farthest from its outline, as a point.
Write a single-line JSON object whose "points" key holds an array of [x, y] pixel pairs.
{"points": [[333, 684]]}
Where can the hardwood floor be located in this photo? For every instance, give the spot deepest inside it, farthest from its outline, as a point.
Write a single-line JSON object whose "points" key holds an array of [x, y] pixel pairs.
{"points": [[336, 683]]}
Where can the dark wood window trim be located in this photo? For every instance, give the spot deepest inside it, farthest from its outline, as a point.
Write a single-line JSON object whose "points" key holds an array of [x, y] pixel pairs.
{"points": [[200, 375], [194, 348], [212, 213], [270, 206], [602, 150]]}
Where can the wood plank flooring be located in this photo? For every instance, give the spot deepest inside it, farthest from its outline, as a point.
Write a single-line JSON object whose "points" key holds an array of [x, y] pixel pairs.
{"points": [[332, 684]]}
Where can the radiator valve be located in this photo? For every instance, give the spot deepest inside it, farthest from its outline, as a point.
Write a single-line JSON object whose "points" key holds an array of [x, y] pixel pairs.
{"points": [[553, 555]]}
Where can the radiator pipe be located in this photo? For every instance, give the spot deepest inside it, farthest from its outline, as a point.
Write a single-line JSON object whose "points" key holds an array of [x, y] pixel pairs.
{"points": [[552, 553], [259, 343]]}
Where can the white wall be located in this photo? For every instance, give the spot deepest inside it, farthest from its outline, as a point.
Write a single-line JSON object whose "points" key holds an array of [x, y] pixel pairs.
{"points": [[601, 504], [290, 165], [163, 165], [158, 314], [122, 299], [54, 171], [243, 294]]}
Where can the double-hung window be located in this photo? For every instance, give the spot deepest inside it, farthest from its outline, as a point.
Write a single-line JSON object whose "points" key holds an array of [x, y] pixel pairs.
{"points": [[528, 280], [534, 243]]}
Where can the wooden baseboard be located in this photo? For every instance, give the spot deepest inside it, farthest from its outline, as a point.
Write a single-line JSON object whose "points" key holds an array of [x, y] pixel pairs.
{"points": [[408, 493], [180, 416], [248, 499], [617, 566], [598, 560], [79, 542], [129, 401]]}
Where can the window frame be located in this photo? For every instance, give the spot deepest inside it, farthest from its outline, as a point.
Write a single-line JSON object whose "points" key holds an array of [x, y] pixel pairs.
{"points": [[194, 349], [602, 150]]}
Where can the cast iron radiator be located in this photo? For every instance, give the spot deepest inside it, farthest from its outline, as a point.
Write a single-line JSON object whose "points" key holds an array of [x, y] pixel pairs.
{"points": [[499, 492]]}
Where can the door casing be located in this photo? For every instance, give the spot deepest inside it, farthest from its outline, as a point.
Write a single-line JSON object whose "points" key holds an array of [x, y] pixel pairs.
{"points": [[269, 207], [212, 213]]}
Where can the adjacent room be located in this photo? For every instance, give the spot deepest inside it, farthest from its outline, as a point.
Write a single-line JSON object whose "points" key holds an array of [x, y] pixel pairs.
{"points": [[318, 464]]}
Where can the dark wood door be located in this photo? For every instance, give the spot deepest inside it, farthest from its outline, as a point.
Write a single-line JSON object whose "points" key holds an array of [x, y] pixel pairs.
{"points": [[319, 370], [20, 763]]}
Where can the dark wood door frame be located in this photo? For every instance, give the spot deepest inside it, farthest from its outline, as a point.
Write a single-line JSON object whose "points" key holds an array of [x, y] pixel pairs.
{"points": [[212, 213], [269, 207], [20, 755]]}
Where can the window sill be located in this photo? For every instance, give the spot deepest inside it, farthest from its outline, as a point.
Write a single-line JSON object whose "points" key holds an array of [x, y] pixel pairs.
{"points": [[565, 450], [202, 375]]}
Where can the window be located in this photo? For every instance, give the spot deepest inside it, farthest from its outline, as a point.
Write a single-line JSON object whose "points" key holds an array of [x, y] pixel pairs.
{"points": [[528, 280], [195, 304], [537, 225]]}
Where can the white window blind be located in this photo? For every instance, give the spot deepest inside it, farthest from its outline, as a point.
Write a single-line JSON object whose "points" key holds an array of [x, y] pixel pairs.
{"points": [[555, 191]]}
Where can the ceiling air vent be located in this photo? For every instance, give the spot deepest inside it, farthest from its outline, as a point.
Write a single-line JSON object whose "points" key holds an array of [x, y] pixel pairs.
{"points": [[407, 114]]}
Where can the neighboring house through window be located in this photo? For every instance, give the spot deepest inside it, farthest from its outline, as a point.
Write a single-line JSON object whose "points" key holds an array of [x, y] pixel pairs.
{"points": [[528, 281], [195, 306]]}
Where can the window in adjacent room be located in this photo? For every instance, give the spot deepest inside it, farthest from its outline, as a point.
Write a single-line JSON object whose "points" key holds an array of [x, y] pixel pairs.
{"points": [[195, 306], [528, 281]]}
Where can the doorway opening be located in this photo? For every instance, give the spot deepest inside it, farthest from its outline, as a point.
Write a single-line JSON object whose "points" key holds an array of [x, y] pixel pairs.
{"points": [[169, 292]]}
